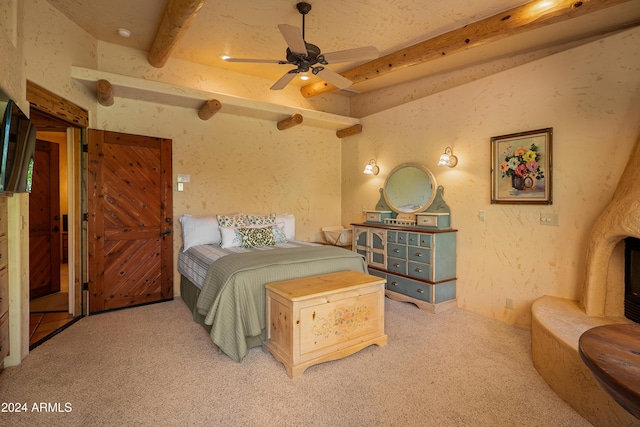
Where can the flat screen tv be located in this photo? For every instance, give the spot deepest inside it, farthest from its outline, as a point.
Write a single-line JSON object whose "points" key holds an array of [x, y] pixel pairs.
{"points": [[18, 143]]}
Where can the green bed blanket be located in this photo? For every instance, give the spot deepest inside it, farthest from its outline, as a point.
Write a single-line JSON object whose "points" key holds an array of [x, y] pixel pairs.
{"points": [[233, 296]]}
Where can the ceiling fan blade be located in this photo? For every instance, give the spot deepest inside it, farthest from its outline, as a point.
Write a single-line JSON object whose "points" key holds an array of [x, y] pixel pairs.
{"points": [[293, 36], [356, 54], [334, 78], [284, 80], [267, 61]]}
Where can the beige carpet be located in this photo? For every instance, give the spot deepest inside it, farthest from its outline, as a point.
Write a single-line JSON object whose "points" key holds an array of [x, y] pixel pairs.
{"points": [[153, 365]]}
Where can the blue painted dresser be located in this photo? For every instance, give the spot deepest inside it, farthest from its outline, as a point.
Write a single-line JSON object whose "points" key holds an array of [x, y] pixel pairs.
{"points": [[419, 264]]}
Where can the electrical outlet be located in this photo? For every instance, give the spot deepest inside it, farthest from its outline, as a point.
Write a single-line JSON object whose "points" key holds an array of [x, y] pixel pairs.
{"points": [[508, 303], [180, 186], [547, 218], [481, 216]]}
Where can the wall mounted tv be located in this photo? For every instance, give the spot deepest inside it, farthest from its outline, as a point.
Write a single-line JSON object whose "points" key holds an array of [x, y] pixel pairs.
{"points": [[17, 145]]}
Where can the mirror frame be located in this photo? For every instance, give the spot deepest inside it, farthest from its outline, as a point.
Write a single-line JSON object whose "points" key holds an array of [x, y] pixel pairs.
{"points": [[430, 175]]}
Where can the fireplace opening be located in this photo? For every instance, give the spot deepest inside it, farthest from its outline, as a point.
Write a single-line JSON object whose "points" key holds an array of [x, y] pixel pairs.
{"points": [[632, 279]]}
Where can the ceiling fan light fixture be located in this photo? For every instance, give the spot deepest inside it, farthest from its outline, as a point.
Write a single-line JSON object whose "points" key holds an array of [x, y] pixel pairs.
{"points": [[304, 77], [305, 56]]}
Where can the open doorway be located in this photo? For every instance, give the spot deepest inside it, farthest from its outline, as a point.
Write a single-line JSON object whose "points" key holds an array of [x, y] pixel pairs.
{"points": [[49, 305], [50, 111]]}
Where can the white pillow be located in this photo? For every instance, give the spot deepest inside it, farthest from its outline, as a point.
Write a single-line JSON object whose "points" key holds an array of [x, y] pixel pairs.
{"points": [[230, 237], [288, 222], [199, 230]]}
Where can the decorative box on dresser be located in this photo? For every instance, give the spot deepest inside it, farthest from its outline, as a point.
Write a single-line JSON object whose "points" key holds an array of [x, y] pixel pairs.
{"points": [[419, 264], [4, 284]]}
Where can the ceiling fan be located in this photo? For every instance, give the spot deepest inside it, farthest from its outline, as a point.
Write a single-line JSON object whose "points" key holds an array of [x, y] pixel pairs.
{"points": [[306, 56]]}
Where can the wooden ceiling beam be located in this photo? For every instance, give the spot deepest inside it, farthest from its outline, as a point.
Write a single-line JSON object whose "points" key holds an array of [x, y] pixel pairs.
{"points": [[176, 20], [352, 130], [104, 91], [290, 122], [209, 109], [532, 15]]}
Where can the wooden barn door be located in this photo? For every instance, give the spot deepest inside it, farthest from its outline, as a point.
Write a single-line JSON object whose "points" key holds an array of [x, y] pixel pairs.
{"points": [[44, 221], [130, 220]]}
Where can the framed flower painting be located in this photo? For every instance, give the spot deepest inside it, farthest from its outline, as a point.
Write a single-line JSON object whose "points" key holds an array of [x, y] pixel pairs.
{"points": [[521, 167]]}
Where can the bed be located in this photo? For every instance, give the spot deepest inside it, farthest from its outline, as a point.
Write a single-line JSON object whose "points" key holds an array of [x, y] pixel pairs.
{"points": [[222, 282]]}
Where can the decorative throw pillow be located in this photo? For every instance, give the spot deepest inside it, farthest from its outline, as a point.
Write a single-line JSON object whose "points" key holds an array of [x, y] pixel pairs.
{"points": [[262, 219], [278, 234], [232, 220], [257, 237], [199, 230]]}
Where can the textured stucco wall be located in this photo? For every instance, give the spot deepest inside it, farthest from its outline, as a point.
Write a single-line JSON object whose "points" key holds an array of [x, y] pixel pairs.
{"points": [[590, 95], [11, 52]]}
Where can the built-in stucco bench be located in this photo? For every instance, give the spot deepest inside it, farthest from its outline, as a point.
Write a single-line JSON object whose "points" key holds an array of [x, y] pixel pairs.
{"points": [[556, 326]]}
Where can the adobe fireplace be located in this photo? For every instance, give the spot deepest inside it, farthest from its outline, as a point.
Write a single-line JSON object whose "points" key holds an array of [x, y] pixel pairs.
{"points": [[632, 279]]}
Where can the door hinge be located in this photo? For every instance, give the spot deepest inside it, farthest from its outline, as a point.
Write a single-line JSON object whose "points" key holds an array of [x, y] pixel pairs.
{"points": [[85, 216], [85, 148]]}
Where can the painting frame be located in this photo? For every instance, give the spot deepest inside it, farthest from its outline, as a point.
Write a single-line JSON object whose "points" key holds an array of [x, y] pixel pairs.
{"points": [[521, 167]]}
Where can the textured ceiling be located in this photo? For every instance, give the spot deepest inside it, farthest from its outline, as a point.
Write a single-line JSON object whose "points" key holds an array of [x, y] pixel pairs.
{"points": [[249, 29]]}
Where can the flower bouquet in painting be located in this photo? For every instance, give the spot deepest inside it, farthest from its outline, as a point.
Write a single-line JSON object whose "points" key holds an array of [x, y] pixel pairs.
{"points": [[522, 165]]}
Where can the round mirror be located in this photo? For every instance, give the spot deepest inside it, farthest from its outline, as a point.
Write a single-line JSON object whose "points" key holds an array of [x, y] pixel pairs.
{"points": [[409, 188]]}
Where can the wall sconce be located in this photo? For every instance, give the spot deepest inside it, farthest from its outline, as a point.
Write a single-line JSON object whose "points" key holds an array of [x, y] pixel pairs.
{"points": [[371, 168], [447, 158]]}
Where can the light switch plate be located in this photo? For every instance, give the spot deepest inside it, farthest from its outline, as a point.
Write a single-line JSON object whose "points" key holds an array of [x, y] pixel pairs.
{"points": [[183, 177]]}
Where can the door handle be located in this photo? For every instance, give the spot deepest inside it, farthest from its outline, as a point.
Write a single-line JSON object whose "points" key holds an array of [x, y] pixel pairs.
{"points": [[166, 232], [55, 229]]}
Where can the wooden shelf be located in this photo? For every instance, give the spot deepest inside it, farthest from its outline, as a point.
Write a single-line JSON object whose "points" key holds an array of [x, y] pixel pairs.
{"points": [[180, 96]]}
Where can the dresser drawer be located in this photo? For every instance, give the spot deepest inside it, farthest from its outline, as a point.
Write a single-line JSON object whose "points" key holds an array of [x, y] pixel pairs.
{"points": [[426, 240], [419, 254], [409, 287], [3, 216], [4, 291], [4, 252], [397, 265], [392, 236], [4, 336], [413, 239], [435, 220], [402, 237], [419, 270], [377, 216], [397, 251]]}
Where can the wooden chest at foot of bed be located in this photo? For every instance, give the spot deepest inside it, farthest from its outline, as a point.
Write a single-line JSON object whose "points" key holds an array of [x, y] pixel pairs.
{"points": [[321, 318]]}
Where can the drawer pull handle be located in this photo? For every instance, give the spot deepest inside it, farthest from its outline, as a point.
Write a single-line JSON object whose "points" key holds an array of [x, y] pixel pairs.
{"points": [[394, 283], [420, 291], [418, 253], [418, 270], [395, 264], [396, 250]]}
